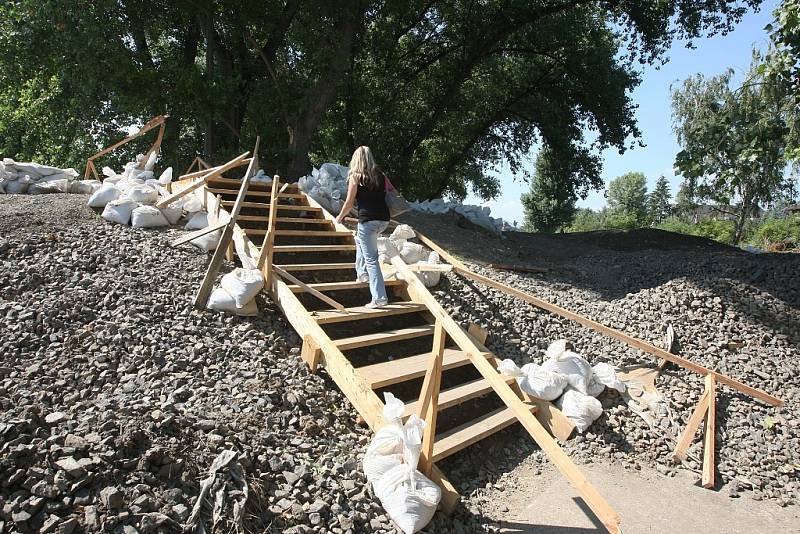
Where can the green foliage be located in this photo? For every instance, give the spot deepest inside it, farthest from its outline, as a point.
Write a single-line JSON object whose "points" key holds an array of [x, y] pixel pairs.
{"points": [[722, 231], [658, 201], [777, 231], [550, 204], [627, 200], [587, 220], [685, 202], [444, 91], [733, 141]]}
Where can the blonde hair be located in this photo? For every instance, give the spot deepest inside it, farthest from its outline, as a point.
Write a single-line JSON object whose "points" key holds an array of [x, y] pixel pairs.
{"points": [[363, 168]]}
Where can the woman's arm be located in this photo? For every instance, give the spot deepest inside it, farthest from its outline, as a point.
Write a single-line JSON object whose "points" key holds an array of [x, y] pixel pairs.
{"points": [[352, 187]]}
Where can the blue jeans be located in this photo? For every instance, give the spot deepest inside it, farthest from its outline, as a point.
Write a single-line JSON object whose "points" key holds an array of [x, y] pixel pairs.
{"points": [[367, 257]]}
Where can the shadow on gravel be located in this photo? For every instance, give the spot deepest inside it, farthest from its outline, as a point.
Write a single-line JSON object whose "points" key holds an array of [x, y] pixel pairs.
{"points": [[521, 527]]}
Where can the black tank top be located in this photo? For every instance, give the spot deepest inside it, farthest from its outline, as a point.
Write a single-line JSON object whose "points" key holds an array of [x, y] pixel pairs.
{"points": [[372, 203]]}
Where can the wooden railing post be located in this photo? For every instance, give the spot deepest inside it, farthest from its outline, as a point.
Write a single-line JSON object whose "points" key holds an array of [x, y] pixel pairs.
{"points": [[429, 395], [265, 256]]}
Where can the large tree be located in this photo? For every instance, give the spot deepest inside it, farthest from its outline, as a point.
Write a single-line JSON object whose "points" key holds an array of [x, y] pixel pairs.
{"points": [[627, 200], [658, 201], [444, 90], [550, 204], [733, 141]]}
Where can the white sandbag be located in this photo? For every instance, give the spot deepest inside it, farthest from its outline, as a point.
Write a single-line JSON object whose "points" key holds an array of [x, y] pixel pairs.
{"points": [[581, 409], [173, 212], [385, 451], [17, 187], [151, 161], [119, 211], [192, 204], [103, 196], [594, 388], [412, 252], [574, 367], [166, 176], [243, 284], [556, 349], [207, 242], [535, 380], [409, 497], [113, 179], [143, 194], [148, 217], [403, 231], [221, 300], [430, 278], [198, 221], [605, 374], [84, 187], [43, 188], [108, 172]]}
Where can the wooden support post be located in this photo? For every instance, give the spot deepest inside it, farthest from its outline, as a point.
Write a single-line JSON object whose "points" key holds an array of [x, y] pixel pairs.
{"points": [[321, 296], [590, 495], [201, 299], [429, 399], [709, 441], [267, 250], [685, 440], [311, 353], [152, 123], [166, 201], [199, 233]]}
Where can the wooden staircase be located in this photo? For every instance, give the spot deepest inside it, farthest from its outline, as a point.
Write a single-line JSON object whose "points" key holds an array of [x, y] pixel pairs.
{"points": [[410, 347]]}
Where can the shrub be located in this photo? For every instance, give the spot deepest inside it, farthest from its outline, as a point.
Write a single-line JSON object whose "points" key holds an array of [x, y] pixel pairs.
{"points": [[722, 231], [777, 231]]}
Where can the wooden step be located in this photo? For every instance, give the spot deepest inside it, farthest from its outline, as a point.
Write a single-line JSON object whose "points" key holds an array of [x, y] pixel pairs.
{"points": [[308, 233], [384, 374], [360, 312], [379, 338], [463, 436], [316, 267], [265, 205], [253, 193], [457, 395], [312, 248], [237, 182], [341, 286], [301, 220]]}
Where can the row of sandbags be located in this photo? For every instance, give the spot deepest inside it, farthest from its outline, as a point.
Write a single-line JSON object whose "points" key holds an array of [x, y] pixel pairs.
{"points": [[390, 464], [568, 379], [19, 178], [480, 215], [398, 243]]}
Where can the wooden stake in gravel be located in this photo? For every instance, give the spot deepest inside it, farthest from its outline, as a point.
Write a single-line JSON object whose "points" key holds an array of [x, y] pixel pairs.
{"points": [[204, 292]]}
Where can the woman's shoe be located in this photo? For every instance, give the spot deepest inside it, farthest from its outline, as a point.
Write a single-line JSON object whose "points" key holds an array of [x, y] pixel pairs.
{"points": [[377, 304], [363, 279]]}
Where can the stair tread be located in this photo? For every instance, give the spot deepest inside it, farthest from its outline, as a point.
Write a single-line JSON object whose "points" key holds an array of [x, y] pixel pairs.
{"points": [[316, 267], [253, 183], [265, 205], [313, 248], [340, 286], [360, 312], [383, 374], [463, 436], [388, 336], [301, 220], [224, 191], [456, 395]]}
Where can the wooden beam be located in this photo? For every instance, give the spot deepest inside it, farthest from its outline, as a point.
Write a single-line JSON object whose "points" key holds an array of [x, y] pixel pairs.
{"points": [[429, 398], [166, 201], [149, 125], [590, 495], [625, 338], [311, 352], [267, 247], [321, 296], [201, 299], [199, 233], [520, 268], [443, 254], [686, 437], [709, 437]]}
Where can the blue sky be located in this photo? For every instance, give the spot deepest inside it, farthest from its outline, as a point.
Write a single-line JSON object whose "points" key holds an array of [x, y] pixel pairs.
{"points": [[710, 57]]}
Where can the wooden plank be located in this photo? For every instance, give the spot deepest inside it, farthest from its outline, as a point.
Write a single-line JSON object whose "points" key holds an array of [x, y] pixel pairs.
{"points": [[267, 194], [360, 313], [456, 395], [201, 299], [265, 206], [342, 286], [379, 375], [311, 353], [473, 431], [428, 405], [302, 220], [379, 338], [590, 495], [443, 254], [267, 251], [314, 248], [237, 181], [199, 233], [327, 215], [625, 338], [686, 437], [709, 437], [326, 299], [316, 266], [166, 201], [302, 233], [155, 122], [519, 268]]}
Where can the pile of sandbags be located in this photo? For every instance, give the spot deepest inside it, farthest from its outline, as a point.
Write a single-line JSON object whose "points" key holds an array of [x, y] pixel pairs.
{"points": [[237, 292], [568, 379], [480, 215], [35, 179], [328, 186], [390, 464], [412, 253]]}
